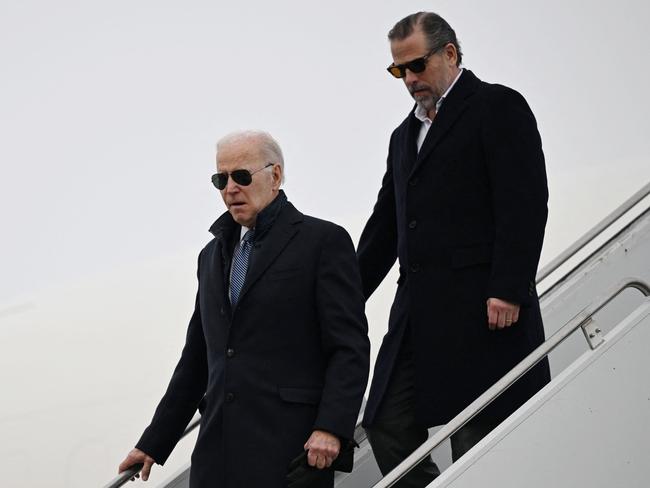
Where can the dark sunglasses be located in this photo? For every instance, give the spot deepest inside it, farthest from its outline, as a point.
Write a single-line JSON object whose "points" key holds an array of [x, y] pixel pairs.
{"points": [[242, 177], [416, 66]]}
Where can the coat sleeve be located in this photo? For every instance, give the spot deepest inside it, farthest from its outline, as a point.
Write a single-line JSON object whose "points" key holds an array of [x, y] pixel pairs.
{"points": [[519, 195], [185, 391], [377, 248], [344, 335]]}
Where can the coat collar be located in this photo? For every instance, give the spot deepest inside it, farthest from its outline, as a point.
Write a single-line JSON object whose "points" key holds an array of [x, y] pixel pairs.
{"points": [[225, 225], [268, 249], [278, 224], [455, 104]]}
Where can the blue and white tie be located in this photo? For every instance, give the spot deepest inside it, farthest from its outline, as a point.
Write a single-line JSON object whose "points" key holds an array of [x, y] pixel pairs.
{"points": [[239, 266]]}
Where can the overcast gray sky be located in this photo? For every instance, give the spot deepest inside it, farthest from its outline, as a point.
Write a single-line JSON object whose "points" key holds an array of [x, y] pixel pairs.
{"points": [[109, 112]]}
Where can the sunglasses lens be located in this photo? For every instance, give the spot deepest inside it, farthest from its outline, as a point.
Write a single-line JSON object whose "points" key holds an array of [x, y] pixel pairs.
{"points": [[396, 71], [220, 180], [242, 177], [417, 65]]}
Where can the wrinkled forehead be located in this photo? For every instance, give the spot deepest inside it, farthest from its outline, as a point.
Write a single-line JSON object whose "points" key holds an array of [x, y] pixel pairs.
{"points": [[243, 154]]}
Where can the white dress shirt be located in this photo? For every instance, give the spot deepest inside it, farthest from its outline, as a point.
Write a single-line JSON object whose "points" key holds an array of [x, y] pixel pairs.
{"points": [[422, 115]]}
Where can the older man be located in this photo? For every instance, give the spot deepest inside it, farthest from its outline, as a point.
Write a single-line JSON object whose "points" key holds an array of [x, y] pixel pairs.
{"points": [[463, 207], [277, 345]]}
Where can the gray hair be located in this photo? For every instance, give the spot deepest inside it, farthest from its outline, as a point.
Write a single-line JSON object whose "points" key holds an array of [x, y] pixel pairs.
{"points": [[268, 145], [436, 30]]}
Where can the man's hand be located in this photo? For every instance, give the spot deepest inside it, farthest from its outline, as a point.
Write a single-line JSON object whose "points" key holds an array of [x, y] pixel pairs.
{"points": [[134, 457], [501, 313], [323, 449]]}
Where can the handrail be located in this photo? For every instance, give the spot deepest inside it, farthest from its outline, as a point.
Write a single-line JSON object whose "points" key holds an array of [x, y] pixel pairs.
{"points": [[506, 381], [122, 478], [125, 476], [359, 432], [593, 233]]}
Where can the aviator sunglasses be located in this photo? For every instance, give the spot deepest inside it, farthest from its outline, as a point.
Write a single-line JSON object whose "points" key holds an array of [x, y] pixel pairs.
{"points": [[415, 66], [242, 177]]}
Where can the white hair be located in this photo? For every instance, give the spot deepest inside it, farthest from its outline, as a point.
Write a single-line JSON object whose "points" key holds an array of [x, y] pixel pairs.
{"points": [[268, 145]]}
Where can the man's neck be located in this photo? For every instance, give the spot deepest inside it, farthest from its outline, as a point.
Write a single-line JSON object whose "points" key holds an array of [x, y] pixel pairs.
{"points": [[453, 78]]}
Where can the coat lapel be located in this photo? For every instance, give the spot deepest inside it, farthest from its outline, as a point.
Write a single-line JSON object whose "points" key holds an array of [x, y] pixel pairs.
{"points": [[413, 126], [269, 249], [223, 230], [452, 108]]}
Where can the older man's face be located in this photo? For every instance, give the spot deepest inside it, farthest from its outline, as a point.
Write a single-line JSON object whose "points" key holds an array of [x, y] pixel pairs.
{"points": [[245, 202], [426, 87]]}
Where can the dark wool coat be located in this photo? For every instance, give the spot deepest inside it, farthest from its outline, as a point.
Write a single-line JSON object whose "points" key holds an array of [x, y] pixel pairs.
{"points": [[465, 217], [290, 358]]}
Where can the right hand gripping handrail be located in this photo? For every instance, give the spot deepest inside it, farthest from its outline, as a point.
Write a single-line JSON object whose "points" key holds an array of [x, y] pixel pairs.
{"points": [[125, 476]]}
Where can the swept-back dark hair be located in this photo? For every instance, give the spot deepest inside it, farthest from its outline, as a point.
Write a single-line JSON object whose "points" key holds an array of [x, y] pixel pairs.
{"points": [[436, 30]]}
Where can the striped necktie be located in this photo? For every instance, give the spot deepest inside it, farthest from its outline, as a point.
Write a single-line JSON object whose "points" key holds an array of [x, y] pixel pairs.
{"points": [[240, 266]]}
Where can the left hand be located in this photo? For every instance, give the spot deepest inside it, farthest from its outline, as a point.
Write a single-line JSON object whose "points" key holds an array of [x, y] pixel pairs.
{"points": [[501, 313], [323, 449]]}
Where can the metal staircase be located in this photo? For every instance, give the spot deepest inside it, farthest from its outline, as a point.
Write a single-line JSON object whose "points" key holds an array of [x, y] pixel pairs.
{"points": [[589, 426]]}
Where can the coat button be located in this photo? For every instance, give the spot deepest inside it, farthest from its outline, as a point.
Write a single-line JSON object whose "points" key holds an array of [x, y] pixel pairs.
{"points": [[413, 224], [230, 352], [413, 181], [222, 312], [415, 268], [230, 397]]}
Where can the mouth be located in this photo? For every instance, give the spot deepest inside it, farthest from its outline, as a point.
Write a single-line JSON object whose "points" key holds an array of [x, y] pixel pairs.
{"points": [[418, 90], [235, 205]]}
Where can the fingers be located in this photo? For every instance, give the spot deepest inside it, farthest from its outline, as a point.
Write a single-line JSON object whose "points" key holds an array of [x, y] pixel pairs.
{"points": [[323, 448], [501, 314], [493, 315], [132, 458], [317, 460], [146, 469], [312, 457], [136, 456], [501, 320], [515, 315]]}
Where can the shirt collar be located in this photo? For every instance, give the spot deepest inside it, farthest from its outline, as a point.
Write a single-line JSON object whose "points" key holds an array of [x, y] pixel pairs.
{"points": [[422, 114]]}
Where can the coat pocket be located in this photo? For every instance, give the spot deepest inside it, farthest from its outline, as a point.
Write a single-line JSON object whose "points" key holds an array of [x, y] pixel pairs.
{"points": [[309, 396], [470, 256]]}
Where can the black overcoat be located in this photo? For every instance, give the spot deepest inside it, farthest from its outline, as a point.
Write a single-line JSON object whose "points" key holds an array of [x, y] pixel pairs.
{"points": [[465, 217], [290, 358]]}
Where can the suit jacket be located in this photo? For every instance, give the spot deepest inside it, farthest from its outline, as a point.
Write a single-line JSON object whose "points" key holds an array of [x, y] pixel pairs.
{"points": [[465, 217], [290, 358]]}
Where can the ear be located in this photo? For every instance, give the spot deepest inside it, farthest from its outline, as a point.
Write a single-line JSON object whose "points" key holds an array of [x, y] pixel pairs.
{"points": [[450, 54], [277, 176]]}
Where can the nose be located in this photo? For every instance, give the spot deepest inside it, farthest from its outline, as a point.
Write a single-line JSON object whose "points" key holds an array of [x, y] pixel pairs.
{"points": [[231, 186], [410, 77]]}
